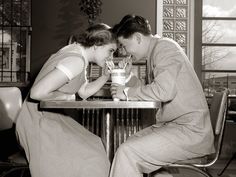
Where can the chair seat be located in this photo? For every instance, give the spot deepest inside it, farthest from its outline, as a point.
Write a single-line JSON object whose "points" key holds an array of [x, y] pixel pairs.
{"points": [[18, 158], [198, 160], [15, 160]]}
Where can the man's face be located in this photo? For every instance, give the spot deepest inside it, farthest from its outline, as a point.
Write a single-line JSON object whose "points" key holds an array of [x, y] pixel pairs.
{"points": [[132, 46]]}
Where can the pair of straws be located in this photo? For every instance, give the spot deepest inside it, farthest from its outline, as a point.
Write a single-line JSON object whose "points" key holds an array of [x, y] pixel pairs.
{"points": [[110, 64], [127, 60]]}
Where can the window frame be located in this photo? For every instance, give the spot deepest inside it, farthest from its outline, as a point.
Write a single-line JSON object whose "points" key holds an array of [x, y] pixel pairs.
{"points": [[199, 18], [20, 27]]}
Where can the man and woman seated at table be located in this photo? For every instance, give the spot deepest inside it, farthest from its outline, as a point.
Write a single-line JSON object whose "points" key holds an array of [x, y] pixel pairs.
{"points": [[56, 145]]}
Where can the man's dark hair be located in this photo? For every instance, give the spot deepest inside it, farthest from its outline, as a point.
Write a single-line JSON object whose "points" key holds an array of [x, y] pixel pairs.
{"points": [[131, 24]]}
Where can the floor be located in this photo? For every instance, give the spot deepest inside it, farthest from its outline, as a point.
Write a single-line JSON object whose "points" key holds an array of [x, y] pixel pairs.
{"points": [[214, 170]]}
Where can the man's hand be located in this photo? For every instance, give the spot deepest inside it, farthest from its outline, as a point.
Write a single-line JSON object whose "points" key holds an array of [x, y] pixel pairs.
{"points": [[117, 91]]}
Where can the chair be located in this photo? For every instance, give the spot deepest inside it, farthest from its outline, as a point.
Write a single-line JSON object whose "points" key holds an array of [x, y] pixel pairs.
{"points": [[218, 110], [232, 116], [10, 105]]}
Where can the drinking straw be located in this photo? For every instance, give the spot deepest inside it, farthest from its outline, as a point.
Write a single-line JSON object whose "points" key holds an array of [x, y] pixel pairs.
{"points": [[109, 66], [127, 61]]}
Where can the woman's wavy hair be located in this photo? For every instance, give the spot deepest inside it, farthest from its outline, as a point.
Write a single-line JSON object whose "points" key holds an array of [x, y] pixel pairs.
{"points": [[97, 35], [131, 24]]}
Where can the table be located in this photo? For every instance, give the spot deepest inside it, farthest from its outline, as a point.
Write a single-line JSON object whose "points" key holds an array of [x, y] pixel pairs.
{"points": [[107, 105]]}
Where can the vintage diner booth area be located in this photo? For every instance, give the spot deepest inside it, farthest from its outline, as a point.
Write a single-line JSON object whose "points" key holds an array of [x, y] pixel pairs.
{"points": [[52, 24]]}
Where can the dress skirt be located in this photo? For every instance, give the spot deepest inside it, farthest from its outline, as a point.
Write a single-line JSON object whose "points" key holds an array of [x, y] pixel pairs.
{"points": [[58, 146]]}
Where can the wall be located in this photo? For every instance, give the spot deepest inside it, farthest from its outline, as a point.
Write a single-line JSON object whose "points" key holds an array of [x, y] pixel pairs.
{"points": [[53, 21], [113, 10]]}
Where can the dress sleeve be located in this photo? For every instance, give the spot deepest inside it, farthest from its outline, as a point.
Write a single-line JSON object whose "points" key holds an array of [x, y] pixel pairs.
{"points": [[71, 66]]}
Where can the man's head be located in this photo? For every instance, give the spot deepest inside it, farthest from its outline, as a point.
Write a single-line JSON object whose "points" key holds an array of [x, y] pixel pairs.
{"points": [[131, 24], [132, 32]]}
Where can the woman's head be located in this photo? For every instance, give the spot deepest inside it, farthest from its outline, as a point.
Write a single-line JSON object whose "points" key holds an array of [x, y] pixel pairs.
{"points": [[101, 40], [133, 34], [97, 35]]}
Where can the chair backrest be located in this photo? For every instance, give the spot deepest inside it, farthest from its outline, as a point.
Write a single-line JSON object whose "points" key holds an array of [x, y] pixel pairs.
{"points": [[218, 111], [218, 108], [10, 104]]}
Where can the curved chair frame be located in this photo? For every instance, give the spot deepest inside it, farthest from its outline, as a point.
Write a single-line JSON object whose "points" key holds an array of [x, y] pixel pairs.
{"points": [[218, 112], [11, 102]]}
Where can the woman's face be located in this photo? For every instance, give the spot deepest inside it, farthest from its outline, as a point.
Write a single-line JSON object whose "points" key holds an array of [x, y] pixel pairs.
{"points": [[103, 53], [132, 46]]}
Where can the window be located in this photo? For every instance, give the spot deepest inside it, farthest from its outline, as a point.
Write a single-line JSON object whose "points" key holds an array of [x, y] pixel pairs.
{"points": [[175, 22], [15, 42], [208, 37], [218, 45]]}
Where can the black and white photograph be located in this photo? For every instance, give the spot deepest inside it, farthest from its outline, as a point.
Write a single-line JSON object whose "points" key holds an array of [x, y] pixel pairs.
{"points": [[118, 88]]}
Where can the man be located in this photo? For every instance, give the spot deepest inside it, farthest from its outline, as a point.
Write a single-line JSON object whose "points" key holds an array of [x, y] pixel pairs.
{"points": [[183, 129]]}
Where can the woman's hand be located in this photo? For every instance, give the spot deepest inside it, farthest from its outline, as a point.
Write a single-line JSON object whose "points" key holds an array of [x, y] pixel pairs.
{"points": [[106, 71], [110, 64]]}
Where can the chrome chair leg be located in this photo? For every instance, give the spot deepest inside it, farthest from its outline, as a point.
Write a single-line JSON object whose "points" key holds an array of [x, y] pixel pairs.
{"points": [[226, 166]]}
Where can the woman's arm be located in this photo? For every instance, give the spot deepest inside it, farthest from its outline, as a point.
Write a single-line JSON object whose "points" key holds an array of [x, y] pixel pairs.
{"points": [[46, 88], [89, 89]]}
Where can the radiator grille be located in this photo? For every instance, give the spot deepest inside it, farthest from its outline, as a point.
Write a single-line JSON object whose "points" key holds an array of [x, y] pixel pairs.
{"points": [[126, 123]]}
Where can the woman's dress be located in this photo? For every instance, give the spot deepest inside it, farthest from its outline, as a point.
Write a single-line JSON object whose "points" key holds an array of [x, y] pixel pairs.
{"points": [[54, 143]]}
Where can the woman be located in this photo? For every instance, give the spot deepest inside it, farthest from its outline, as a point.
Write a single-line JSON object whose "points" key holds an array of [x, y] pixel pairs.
{"points": [[55, 144]]}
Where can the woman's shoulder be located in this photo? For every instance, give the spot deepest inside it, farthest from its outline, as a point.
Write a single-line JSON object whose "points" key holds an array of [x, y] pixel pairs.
{"points": [[72, 52], [71, 48], [67, 56]]}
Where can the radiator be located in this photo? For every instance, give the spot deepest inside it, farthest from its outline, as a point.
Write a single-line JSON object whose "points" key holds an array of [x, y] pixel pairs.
{"points": [[126, 123]]}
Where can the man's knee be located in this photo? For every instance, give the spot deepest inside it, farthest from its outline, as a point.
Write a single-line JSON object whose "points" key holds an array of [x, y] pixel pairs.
{"points": [[124, 148]]}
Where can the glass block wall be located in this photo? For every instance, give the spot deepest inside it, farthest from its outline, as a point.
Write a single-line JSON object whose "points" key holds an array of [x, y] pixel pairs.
{"points": [[176, 21]]}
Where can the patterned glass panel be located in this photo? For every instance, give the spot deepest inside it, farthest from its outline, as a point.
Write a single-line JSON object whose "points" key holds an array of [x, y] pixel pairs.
{"points": [[181, 12], [176, 21], [168, 25], [181, 25], [181, 2], [181, 38], [168, 1], [169, 35], [168, 11]]}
